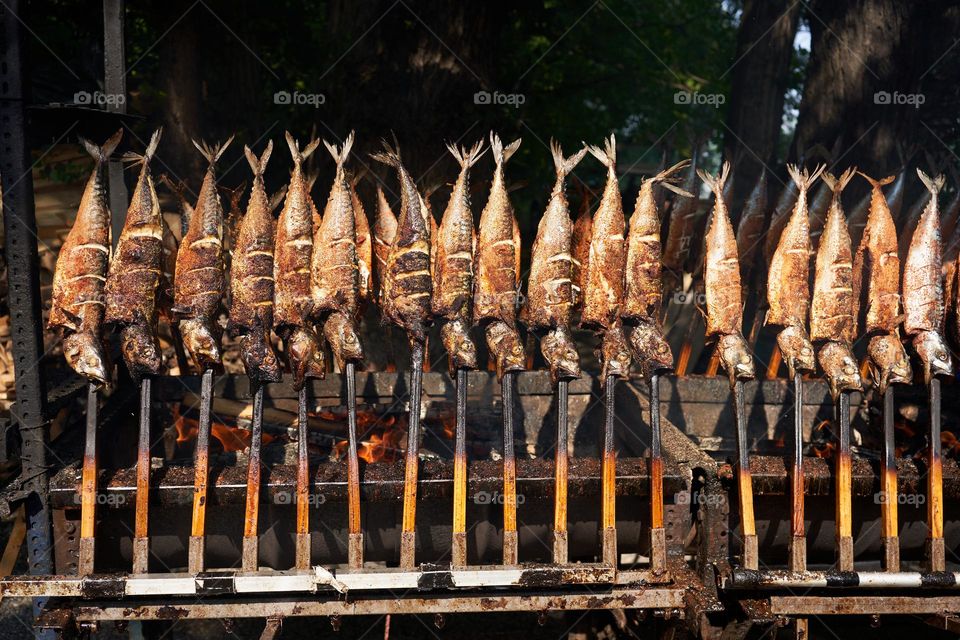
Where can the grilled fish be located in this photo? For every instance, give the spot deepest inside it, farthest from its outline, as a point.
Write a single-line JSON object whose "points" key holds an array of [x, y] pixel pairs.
{"points": [[137, 286], [364, 241], [165, 294], [934, 355], [77, 304], [643, 294], [839, 367], [461, 350], [781, 214], [497, 273], [340, 331], [683, 215], [179, 190], [888, 361], [505, 347], [408, 289], [602, 270], [796, 349], [251, 279], [455, 242], [560, 352], [549, 294], [384, 232], [582, 238], [614, 353], [750, 228], [878, 261], [788, 282], [831, 313], [651, 348]]}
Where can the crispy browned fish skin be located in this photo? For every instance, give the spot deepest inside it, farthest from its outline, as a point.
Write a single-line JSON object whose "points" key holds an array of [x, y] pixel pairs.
{"points": [[580, 252], [796, 349], [364, 241], [165, 295], [505, 347], [560, 352], [251, 279], [788, 286], [877, 259], [888, 361], [683, 214], [831, 312], [839, 367], [721, 267], [461, 350], [549, 294], [602, 279], [340, 331], [137, 287], [77, 304], [497, 273], [735, 357], [934, 355], [779, 217], [650, 347], [614, 353], [305, 354], [643, 294], [750, 227], [384, 232], [406, 302]]}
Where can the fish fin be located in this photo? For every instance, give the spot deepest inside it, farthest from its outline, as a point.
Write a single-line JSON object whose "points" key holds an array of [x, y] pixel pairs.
{"points": [[467, 157], [607, 155], [277, 198], [340, 153], [838, 184], [803, 178], [715, 182], [389, 156], [152, 147], [666, 176], [103, 153], [300, 155], [933, 185], [212, 153], [677, 190], [876, 184], [562, 165], [500, 153], [258, 165]]}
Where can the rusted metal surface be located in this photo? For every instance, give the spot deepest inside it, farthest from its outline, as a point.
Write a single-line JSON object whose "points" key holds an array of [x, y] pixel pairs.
{"points": [[862, 605], [408, 540]]}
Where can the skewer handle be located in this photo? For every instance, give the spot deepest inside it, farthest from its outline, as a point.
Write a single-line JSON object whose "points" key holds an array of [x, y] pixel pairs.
{"points": [[408, 536], [658, 536], [609, 486], [888, 472], [88, 487], [751, 558], [561, 472], [936, 550], [510, 539], [355, 540], [251, 538], [844, 486], [195, 560], [459, 547], [141, 540], [798, 540], [302, 553]]}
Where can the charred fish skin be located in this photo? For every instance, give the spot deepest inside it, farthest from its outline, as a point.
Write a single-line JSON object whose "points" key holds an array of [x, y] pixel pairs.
{"points": [[335, 280], [455, 243], [923, 302], [839, 368], [786, 203], [549, 293], [877, 256], [797, 350], [934, 355], [614, 354], [651, 348], [305, 354], [832, 309], [721, 268], [133, 288], [643, 294], [406, 302], [582, 239], [888, 361], [506, 348], [560, 352], [736, 358], [461, 350], [788, 287], [497, 272], [77, 303], [340, 331], [293, 249]]}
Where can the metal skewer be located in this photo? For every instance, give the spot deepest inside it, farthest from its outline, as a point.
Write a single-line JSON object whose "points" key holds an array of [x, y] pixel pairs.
{"points": [[798, 540], [251, 515], [561, 470], [936, 550], [355, 544], [658, 537], [195, 560], [745, 482], [888, 471], [844, 486], [302, 554], [459, 547], [510, 540], [609, 483], [408, 536], [141, 540], [88, 487]]}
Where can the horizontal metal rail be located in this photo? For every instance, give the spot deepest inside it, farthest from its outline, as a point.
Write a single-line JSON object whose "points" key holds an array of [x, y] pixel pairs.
{"points": [[747, 579]]}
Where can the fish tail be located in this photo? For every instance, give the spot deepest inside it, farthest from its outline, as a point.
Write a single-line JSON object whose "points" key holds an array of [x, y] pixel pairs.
{"points": [[389, 156], [258, 165], [933, 185], [467, 157], [838, 184], [212, 153], [607, 155], [563, 165], [144, 158], [102, 154], [341, 153], [500, 153], [876, 184], [803, 178], [300, 155], [716, 182], [666, 177]]}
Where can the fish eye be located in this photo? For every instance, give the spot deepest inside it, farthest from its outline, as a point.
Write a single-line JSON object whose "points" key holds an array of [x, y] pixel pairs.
{"points": [[941, 355], [744, 358]]}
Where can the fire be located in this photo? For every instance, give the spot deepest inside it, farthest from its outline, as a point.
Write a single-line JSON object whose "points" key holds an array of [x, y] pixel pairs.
{"points": [[387, 446], [232, 439], [449, 424]]}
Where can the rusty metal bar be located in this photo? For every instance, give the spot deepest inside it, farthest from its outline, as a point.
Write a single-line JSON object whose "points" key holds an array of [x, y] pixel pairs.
{"points": [[195, 560], [141, 529], [844, 486], [746, 579], [936, 551], [608, 487], [744, 482], [510, 539], [250, 552], [561, 471], [797, 558], [408, 536], [658, 536], [88, 487], [888, 480], [355, 535], [459, 546], [302, 560]]}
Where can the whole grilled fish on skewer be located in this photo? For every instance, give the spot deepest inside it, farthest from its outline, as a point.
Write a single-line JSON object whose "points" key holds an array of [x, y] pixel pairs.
{"points": [[136, 287], [251, 279], [293, 252], [580, 252], [77, 306], [683, 215], [788, 282], [199, 281]]}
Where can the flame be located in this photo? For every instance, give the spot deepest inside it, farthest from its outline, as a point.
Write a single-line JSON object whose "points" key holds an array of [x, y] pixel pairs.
{"points": [[386, 446], [232, 439], [449, 427]]}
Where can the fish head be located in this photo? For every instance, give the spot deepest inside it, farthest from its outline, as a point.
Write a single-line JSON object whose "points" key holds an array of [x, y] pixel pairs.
{"points": [[341, 334], [736, 358], [306, 356], [650, 348], [934, 355], [461, 350], [889, 363], [84, 353], [506, 348], [259, 358], [839, 368], [615, 354], [561, 354], [141, 351], [201, 338], [797, 350]]}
